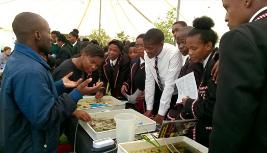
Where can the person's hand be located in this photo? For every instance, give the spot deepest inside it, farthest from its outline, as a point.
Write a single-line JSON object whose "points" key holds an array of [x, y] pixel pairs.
{"points": [[141, 96], [82, 115], [184, 100], [85, 90], [159, 119], [124, 89], [99, 94], [214, 71], [148, 113], [68, 83]]}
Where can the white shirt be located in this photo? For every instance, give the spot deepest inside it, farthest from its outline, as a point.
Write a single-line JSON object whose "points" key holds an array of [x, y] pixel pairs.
{"points": [[113, 63], [257, 13], [74, 43], [62, 45], [169, 66], [206, 60], [142, 61], [184, 58]]}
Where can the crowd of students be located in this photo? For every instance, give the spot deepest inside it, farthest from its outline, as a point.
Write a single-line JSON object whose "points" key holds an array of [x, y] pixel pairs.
{"points": [[147, 68]]}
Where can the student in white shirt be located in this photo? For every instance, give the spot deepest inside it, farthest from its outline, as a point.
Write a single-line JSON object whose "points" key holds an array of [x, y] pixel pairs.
{"points": [[168, 61]]}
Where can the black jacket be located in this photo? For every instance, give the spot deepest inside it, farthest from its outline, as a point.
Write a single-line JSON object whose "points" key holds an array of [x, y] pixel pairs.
{"points": [[240, 115], [76, 49], [202, 108], [136, 78], [63, 54], [116, 75], [189, 67]]}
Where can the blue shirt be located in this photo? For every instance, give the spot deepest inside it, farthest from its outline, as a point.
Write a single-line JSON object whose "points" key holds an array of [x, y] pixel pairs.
{"points": [[30, 109]]}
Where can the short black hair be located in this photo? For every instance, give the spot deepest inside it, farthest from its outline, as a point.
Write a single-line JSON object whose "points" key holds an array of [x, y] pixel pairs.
{"points": [[55, 32], [93, 50], [85, 39], [84, 44], [154, 36], [117, 43], [61, 37], [132, 44], [141, 36], [25, 24], [184, 32], [182, 23], [202, 26], [94, 41]]}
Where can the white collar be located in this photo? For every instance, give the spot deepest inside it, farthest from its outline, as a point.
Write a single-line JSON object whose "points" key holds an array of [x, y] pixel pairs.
{"points": [[113, 61], [206, 60], [142, 60], [257, 13], [161, 54], [184, 58], [74, 43]]}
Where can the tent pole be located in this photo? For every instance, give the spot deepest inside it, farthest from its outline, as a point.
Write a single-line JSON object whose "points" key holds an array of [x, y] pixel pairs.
{"points": [[178, 10], [99, 20]]}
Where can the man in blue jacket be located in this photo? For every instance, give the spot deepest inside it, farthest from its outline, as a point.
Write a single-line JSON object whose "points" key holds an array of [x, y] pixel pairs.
{"points": [[31, 109]]}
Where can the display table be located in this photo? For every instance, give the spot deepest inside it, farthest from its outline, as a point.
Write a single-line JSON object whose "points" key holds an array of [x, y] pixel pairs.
{"points": [[84, 142]]}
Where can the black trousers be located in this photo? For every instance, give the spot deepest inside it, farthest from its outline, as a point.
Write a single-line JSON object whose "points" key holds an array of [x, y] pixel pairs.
{"points": [[157, 97]]}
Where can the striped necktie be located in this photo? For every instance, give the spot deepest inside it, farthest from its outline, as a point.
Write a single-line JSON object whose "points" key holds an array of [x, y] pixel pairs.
{"points": [[157, 71]]}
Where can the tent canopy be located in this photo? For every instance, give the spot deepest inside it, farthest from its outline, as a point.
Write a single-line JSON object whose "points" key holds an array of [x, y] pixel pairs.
{"points": [[131, 16]]}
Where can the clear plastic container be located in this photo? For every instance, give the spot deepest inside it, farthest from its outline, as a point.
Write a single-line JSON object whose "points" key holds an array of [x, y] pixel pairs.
{"points": [[125, 127]]}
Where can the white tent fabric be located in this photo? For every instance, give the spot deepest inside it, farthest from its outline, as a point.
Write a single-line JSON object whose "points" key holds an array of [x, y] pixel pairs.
{"points": [[117, 15], [64, 15]]}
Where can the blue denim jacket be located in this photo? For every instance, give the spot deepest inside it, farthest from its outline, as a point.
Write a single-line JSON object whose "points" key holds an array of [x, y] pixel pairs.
{"points": [[30, 109]]}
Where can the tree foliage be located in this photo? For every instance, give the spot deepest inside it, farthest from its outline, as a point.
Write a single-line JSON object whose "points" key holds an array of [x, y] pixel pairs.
{"points": [[101, 36], [165, 25], [122, 36]]}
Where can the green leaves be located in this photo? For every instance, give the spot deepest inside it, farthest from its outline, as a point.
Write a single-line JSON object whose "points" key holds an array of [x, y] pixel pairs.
{"points": [[122, 36], [165, 25], [153, 141], [101, 36]]}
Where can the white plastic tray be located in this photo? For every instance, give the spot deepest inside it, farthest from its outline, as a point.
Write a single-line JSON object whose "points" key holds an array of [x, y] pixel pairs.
{"points": [[141, 144], [144, 124], [113, 103]]}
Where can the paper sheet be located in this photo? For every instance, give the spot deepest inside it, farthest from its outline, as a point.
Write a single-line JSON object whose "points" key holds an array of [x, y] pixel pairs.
{"points": [[186, 86], [132, 98]]}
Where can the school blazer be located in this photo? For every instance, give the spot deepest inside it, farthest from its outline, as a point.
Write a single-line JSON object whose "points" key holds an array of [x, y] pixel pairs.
{"points": [[116, 75], [240, 114]]}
